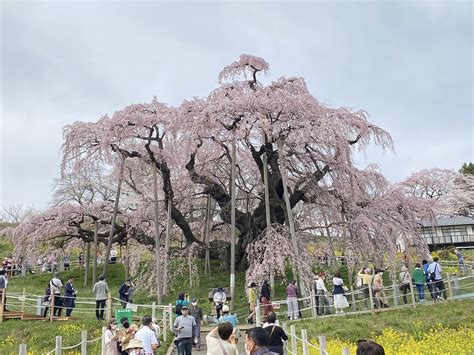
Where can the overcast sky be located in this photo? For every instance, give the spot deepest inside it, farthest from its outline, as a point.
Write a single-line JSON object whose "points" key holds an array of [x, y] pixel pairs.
{"points": [[408, 64]]}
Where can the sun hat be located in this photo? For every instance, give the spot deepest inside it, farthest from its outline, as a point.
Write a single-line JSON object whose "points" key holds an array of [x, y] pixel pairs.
{"points": [[134, 343]]}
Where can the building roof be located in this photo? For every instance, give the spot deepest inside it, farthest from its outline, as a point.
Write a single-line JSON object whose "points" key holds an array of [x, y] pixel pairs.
{"points": [[449, 221]]}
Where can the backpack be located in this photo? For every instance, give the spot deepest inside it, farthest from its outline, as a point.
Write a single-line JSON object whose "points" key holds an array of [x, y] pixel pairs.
{"points": [[179, 307]]}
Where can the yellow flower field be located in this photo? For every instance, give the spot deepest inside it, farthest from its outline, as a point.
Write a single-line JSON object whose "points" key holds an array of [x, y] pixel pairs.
{"points": [[438, 340]]}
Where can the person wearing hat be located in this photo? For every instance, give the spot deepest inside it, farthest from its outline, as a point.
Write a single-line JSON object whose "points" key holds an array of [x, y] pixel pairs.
{"points": [[227, 317], [219, 300], [252, 294], [186, 330], [124, 292], [405, 280], [196, 312], [135, 347]]}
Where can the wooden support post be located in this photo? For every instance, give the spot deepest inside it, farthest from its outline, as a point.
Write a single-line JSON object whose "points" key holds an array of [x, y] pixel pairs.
{"points": [[2, 303], [304, 338], [294, 344], [102, 341], [87, 263], [94, 258], [165, 318], [450, 287], [257, 313], [23, 350], [84, 342], [354, 307], [314, 312], [108, 314], [396, 299], [232, 220], [322, 345], [371, 298], [59, 344], [412, 294], [51, 307], [170, 310], [157, 237], [153, 311]]}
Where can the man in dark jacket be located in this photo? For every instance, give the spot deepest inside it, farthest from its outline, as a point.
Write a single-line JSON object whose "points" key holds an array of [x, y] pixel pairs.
{"points": [[69, 296], [124, 292], [257, 341]]}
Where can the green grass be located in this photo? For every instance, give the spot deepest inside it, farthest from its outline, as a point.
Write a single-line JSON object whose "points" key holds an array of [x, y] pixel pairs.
{"points": [[409, 320]]}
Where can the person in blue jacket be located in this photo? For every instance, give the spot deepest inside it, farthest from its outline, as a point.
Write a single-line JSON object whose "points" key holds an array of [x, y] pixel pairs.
{"points": [[69, 296]]}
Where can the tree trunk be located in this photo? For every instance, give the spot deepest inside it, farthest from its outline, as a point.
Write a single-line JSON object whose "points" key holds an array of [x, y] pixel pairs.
{"points": [[94, 262], [114, 218]]}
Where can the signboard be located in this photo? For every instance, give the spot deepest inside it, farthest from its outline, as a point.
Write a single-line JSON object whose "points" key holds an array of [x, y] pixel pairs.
{"points": [[120, 313]]}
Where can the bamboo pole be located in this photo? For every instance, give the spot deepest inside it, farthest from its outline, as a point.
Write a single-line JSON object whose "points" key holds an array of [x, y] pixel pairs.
{"points": [[157, 238], [450, 288], [51, 308], [2, 304], [114, 218], [232, 218], [23, 301]]}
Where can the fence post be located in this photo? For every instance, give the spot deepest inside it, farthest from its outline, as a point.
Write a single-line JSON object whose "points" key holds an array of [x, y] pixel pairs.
{"points": [[412, 295], [84, 342], [450, 287], [371, 298], [170, 308], [51, 307], [23, 349], [346, 351], [294, 345], [354, 307], [257, 313], [39, 305], [153, 311], [102, 341], [165, 331], [396, 299], [2, 303], [322, 345], [108, 313], [59, 344], [304, 337], [313, 303]]}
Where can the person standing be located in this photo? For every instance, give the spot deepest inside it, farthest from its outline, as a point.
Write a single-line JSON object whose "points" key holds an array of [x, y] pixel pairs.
{"points": [[322, 306], [66, 262], [292, 300], [219, 300], [196, 312], [265, 299], [435, 271], [257, 341], [252, 295], [405, 280], [147, 336], [111, 339], [185, 329], [426, 265], [124, 292], [380, 298], [340, 300], [460, 261], [419, 279], [276, 334], [100, 289], [3, 288], [55, 286], [81, 260], [180, 302], [69, 296], [46, 300], [366, 278]]}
